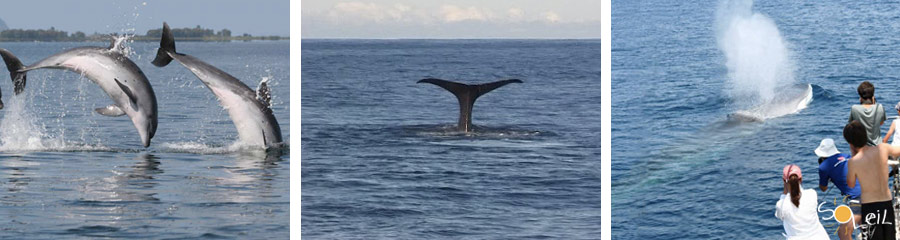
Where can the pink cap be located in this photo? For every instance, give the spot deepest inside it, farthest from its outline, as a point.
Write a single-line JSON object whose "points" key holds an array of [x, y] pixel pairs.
{"points": [[789, 170]]}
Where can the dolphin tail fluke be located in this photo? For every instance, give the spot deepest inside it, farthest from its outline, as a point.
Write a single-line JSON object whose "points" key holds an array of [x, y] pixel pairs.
{"points": [[166, 46], [467, 94], [16, 73]]}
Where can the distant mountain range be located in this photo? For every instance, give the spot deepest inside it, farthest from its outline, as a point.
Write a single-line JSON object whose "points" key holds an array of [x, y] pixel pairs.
{"points": [[3, 25]]}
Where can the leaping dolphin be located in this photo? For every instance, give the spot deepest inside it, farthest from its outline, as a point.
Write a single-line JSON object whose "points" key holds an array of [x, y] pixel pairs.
{"points": [[467, 94], [117, 75], [249, 110]]}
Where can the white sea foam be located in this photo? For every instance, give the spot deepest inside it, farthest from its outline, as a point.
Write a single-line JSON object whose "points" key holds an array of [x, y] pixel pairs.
{"points": [[202, 148]]}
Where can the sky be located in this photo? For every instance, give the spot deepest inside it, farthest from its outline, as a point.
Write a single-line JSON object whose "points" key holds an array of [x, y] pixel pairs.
{"points": [[450, 19], [256, 17]]}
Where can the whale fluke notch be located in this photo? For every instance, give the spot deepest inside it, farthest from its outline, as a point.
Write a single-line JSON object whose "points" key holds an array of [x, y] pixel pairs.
{"points": [[466, 95]]}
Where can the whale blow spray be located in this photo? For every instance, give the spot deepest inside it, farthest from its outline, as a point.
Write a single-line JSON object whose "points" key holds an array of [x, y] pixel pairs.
{"points": [[757, 57]]}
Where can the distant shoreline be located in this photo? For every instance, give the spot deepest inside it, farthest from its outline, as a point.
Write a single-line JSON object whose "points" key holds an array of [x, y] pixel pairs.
{"points": [[142, 39], [151, 39], [181, 34]]}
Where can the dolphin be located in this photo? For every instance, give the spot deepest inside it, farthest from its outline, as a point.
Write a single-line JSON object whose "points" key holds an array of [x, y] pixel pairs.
{"points": [[117, 75], [467, 94], [790, 99], [249, 110]]}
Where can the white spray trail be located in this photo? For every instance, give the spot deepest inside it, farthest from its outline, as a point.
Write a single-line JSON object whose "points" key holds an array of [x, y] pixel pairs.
{"points": [[757, 57], [19, 130]]}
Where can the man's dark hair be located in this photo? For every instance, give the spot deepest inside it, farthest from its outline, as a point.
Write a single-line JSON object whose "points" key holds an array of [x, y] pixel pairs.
{"points": [[855, 134], [866, 90]]}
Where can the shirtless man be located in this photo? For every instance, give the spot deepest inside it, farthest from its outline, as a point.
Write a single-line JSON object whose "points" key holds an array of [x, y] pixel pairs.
{"points": [[869, 166]]}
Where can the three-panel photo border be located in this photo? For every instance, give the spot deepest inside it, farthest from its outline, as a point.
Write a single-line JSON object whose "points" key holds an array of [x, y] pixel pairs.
{"points": [[450, 119], [718, 119]]}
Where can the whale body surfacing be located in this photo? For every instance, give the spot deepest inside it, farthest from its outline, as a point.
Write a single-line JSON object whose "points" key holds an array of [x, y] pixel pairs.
{"points": [[789, 100], [467, 94]]}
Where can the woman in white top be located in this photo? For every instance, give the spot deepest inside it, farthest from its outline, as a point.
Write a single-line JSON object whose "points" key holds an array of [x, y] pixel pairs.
{"points": [[895, 141], [797, 207]]}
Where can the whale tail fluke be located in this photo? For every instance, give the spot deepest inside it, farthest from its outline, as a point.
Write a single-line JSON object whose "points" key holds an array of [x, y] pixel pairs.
{"points": [[166, 46], [467, 94], [15, 68], [474, 90]]}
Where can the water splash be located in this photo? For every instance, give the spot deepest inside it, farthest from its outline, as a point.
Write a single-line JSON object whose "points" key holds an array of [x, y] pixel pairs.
{"points": [[757, 57], [122, 44], [19, 131], [266, 95], [202, 148]]}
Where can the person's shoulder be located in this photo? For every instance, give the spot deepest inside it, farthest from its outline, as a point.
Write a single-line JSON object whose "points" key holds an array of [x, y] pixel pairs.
{"points": [[856, 157], [810, 192], [855, 109]]}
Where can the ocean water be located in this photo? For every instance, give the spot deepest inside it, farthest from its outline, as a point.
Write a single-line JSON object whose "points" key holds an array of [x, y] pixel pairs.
{"points": [[381, 160], [67, 172], [680, 168]]}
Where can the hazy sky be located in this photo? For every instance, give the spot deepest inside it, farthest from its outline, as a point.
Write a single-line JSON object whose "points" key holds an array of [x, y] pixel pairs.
{"points": [[257, 17], [451, 19]]}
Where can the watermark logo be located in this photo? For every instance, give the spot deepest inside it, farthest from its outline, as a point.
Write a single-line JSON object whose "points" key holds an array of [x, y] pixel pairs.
{"points": [[842, 214]]}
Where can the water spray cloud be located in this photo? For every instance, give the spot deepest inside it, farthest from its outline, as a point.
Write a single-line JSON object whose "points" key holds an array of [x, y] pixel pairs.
{"points": [[757, 57]]}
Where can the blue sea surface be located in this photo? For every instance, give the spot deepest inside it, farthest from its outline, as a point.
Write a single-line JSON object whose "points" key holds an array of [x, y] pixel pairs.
{"points": [[68, 172], [381, 158], [680, 169]]}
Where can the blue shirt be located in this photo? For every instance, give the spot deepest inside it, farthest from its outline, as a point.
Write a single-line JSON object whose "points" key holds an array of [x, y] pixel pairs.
{"points": [[835, 168]]}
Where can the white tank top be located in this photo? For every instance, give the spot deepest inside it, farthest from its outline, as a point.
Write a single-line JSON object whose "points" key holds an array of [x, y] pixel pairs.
{"points": [[895, 139]]}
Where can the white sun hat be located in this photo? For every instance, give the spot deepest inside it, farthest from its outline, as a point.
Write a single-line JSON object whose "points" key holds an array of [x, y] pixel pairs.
{"points": [[826, 148]]}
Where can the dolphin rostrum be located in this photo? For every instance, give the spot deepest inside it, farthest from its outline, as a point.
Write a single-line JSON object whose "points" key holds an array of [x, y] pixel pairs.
{"points": [[467, 94], [249, 110], [117, 75]]}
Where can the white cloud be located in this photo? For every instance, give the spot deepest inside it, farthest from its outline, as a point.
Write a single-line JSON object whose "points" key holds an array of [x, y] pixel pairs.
{"points": [[551, 17], [451, 13], [359, 11], [515, 14]]}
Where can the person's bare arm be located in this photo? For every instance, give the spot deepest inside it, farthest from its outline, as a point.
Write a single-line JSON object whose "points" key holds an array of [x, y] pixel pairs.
{"points": [[851, 173], [824, 188], [889, 132], [893, 151]]}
